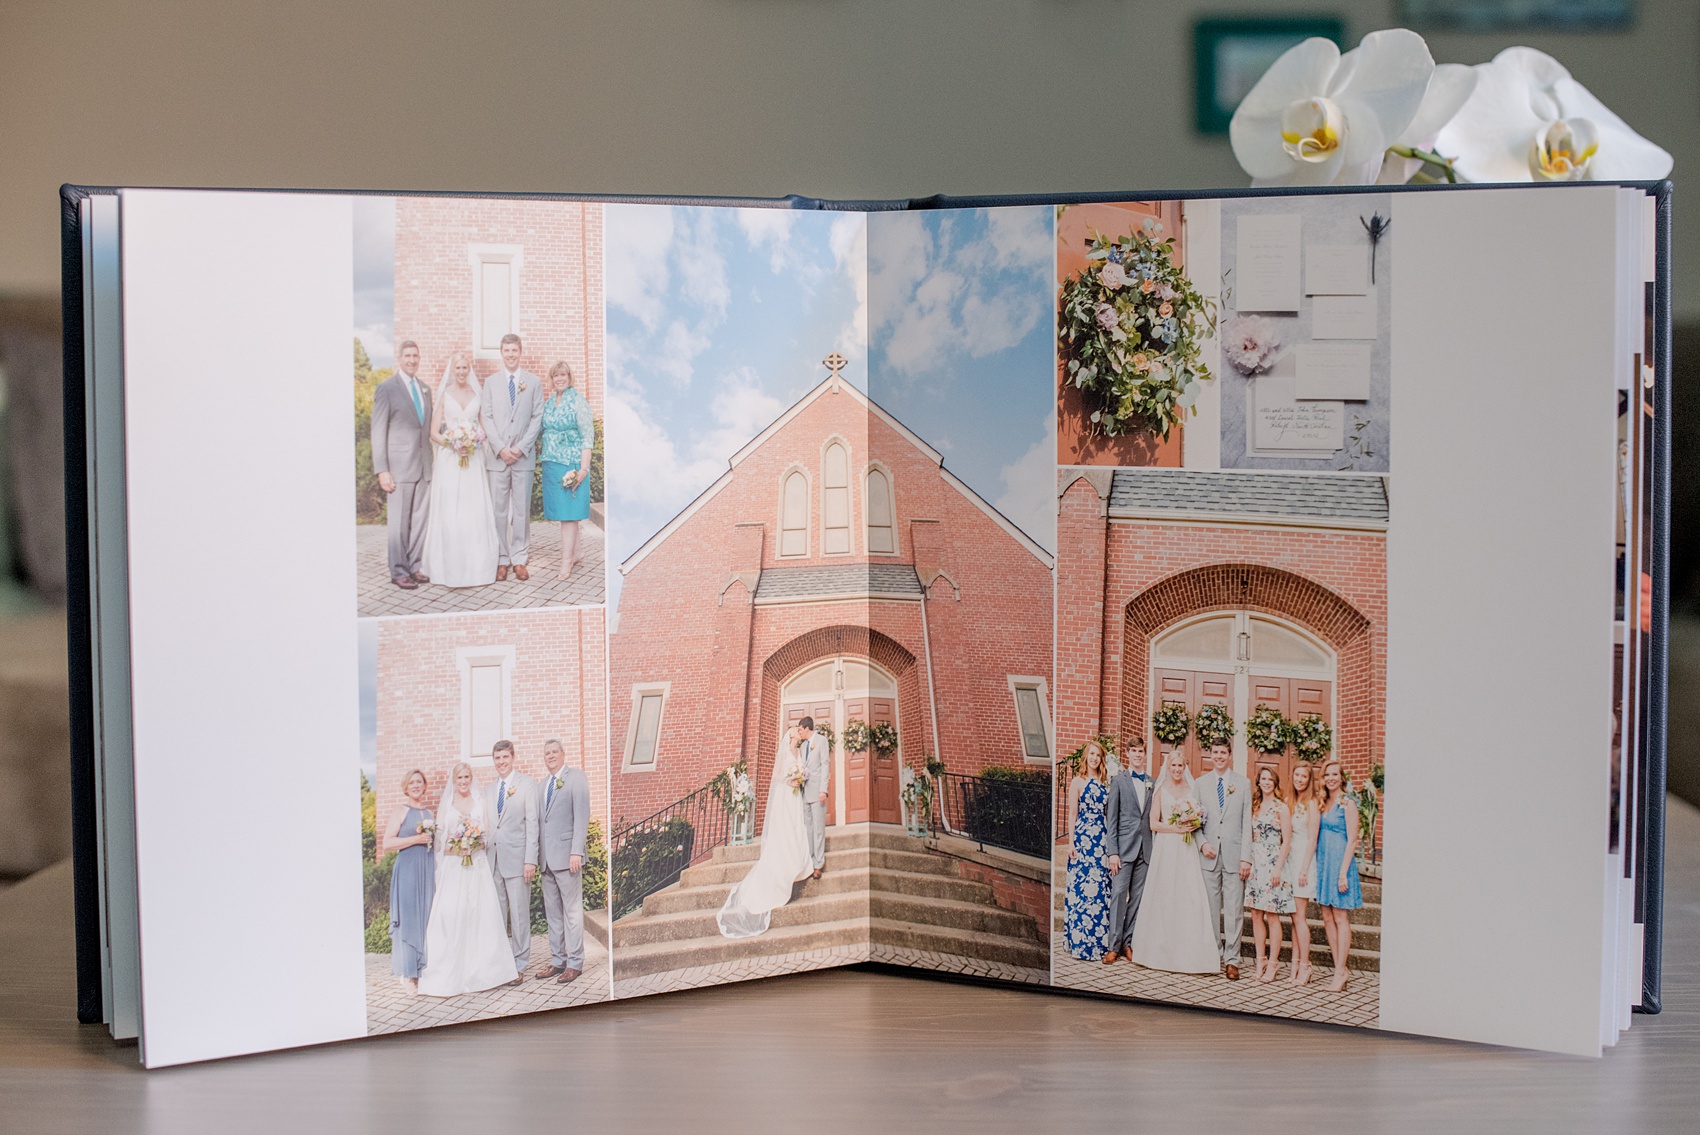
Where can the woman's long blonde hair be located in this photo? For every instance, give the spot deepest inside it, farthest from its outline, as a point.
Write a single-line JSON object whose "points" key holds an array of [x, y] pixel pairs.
{"points": [[1310, 796], [1103, 773]]}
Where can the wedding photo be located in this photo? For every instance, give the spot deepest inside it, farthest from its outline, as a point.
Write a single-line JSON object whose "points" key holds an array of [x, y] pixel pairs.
{"points": [[484, 812], [479, 403], [830, 671], [1219, 798]]}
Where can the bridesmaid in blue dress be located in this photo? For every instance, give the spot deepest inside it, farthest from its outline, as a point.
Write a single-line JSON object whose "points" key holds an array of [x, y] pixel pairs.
{"points": [[1086, 907], [569, 434], [413, 880], [1337, 889]]}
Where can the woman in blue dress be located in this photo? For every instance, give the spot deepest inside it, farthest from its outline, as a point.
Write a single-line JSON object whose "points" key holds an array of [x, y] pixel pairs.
{"points": [[1337, 889], [1086, 907], [413, 880], [569, 434]]}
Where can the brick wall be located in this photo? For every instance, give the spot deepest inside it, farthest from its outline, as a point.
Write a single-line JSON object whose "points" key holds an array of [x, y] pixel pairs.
{"points": [[560, 281], [686, 615], [556, 690]]}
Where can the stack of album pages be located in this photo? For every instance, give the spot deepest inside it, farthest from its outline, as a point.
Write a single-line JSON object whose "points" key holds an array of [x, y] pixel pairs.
{"points": [[1250, 600]]}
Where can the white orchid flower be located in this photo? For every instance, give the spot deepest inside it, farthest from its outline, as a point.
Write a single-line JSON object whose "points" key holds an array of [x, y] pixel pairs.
{"points": [[1528, 120], [1321, 118], [1448, 90]]}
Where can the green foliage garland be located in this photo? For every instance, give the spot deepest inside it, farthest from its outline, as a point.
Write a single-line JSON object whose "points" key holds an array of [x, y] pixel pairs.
{"points": [[884, 738], [1131, 326], [1266, 729], [1211, 724], [858, 735], [1311, 737], [1170, 723]]}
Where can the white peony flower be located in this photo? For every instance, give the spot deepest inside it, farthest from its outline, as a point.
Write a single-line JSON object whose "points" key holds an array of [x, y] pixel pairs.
{"points": [[1321, 118], [1250, 342], [1448, 90], [1528, 120]]}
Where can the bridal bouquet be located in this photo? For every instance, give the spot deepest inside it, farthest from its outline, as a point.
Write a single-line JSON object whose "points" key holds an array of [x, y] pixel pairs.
{"points": [[795, 778], [466, 838], [464, 440], [1185, 816]]}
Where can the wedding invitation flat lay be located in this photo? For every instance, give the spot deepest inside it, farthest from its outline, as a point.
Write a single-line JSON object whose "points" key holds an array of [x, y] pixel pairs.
{"points": [[1031, 590]]}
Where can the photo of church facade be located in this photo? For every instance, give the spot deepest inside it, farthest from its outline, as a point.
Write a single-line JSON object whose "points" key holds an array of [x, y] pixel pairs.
{"points": [[1190, 587], [837, 571]]}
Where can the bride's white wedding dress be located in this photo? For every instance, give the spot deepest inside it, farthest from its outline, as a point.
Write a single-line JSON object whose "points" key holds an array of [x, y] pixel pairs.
{"points": [[1172, 928], [466, 939], [785, 858], [460, 525]]}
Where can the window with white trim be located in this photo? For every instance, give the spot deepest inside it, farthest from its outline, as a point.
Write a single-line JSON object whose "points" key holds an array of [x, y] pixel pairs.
{"points": [[495, 296], [882, 533], [835, 501], [486, 699], [1032, 717], [794, 515], [643, 736]]}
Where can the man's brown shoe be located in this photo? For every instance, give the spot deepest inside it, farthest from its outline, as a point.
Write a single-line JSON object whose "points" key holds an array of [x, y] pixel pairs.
{"points": [[421, 577], [501, 572], [568, 976], [1110, 957], [405, 582], [550, 972], [520, 572], [1233, 971]]}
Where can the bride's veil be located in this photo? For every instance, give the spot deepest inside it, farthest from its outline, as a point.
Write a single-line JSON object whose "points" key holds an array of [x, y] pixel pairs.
{"points": [[447, 802]]}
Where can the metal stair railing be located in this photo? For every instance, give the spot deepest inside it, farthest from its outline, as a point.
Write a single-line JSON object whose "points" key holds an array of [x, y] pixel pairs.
{"points": [[650, 854]]}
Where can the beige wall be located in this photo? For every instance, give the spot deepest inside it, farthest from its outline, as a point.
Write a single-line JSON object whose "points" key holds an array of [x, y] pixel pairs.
{"points": [[844, 98]]}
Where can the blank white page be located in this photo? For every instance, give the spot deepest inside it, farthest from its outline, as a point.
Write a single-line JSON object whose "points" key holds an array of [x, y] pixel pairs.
{"points": [[1500, 581], [244, 686]]}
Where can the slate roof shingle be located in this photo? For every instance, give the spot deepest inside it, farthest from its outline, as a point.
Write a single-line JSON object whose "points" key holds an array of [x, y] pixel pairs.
{"points": [[1325, 496], [846, 579]]}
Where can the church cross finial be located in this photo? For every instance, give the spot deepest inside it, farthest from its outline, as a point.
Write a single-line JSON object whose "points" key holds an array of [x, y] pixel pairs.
{"points": [[835, 362]]}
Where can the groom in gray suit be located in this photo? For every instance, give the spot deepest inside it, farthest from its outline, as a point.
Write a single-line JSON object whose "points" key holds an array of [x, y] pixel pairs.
{"points": [[1223, 797], [513, 849], [563, 822], [818, 767], [1127, 832], [512, 414], [401, 459]]}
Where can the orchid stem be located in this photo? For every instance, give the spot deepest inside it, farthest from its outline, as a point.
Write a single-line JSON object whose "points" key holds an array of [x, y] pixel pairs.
{"points": [[1431, 158]]}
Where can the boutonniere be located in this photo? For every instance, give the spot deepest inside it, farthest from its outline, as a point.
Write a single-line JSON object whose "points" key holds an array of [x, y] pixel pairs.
{"points": [[560, 782], [522, 384], [513, 790], [1233, 788]]}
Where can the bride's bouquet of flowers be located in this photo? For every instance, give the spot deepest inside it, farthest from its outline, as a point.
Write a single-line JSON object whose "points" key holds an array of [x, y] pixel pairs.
{"points": [[466, 838], [1186, 817], [463, 440], [798, 774]]}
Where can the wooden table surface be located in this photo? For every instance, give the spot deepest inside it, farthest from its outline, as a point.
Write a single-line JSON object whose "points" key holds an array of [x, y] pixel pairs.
{"points": [[845, 1051]]}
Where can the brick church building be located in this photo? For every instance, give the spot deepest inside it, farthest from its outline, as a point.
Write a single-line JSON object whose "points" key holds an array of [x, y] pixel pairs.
{"points": [[1189, 587], [838, 570], [469, 270]]}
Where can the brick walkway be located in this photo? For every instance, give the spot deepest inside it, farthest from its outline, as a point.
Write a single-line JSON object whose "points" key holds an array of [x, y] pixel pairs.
{"points": [[956, 963], [742, 969], [1358, 1004], [390, 1009], [378, 596]]}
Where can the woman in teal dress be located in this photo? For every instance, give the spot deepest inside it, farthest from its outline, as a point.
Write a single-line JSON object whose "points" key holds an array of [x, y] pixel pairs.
{"points": [[1086, 907], [569, 433], [1337, 889]]}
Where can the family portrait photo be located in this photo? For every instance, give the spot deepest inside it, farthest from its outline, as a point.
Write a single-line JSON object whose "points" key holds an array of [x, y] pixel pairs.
{"points": [[478, 380], [484, 815], [830, 670], [1219, 811]]}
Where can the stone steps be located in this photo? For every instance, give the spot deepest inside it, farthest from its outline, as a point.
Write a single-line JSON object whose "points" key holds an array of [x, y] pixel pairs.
{"points": [[962, 943], [712, 872], [657, 957], [712, 896]]}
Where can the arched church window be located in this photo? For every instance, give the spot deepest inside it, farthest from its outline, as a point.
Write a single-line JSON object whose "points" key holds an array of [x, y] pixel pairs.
{"points": [[835, 501], [882, 536], [794, 516]]}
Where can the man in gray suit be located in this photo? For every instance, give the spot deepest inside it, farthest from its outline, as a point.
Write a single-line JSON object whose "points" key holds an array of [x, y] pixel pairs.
{"points": [[401, 458], [1223, 797], [1127, 835], [512, 414], [513, 847], [562, 825], [819, 768]]}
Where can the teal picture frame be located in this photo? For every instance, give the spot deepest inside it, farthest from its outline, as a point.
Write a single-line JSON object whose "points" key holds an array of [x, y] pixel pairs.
{"points": [[1229, 54]]}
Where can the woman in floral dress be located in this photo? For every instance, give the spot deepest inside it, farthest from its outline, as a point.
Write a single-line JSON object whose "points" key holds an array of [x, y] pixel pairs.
{"points": [[1086, 908], [1268, 893], [569, 434]]}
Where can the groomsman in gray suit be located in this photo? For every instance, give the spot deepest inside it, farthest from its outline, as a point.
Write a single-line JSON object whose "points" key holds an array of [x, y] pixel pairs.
{"points": [[1223, 797], [1127, 831], [818, 765], [563, 824], [512, 414], [513, 847], [401, 458]]}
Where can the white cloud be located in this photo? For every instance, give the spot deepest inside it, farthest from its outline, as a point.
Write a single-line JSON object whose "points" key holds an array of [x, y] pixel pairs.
{"points": [[635, 272], [769, 230], [379, 342], [849, 238], [646, 469], [702, 269], [741, 409], [1029, 496], [1022, 238], [675, 358]]}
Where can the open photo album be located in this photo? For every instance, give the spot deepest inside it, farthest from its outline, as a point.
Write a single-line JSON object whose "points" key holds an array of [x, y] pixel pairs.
{"points": [[1252, 600]]}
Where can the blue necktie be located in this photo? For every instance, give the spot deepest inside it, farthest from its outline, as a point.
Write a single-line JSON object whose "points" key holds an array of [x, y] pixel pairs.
{"points": [[501, 796], [549, 796], [512, 393], [418, 405], [1221, 797]]}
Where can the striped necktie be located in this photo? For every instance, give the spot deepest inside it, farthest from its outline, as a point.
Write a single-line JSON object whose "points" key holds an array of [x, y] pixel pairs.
{"points": [[1221, 797]]}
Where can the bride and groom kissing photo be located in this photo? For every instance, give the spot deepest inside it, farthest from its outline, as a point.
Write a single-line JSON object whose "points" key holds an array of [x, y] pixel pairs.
{"points": [[793, 833], [457, 463], [460, 889], [1161, 869]]}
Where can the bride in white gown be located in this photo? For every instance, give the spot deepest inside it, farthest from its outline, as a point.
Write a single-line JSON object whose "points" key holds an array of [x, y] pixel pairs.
{"points": [[1172, 929], [785, 854], [460, 524], [466, 939]]}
